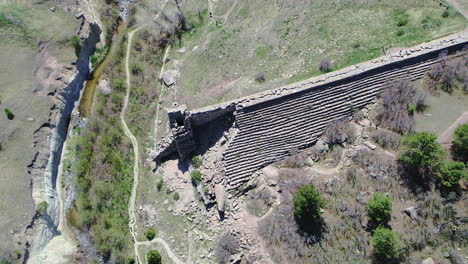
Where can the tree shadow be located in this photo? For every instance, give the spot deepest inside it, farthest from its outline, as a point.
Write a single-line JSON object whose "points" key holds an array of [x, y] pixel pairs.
{"points": [[311, 230]]}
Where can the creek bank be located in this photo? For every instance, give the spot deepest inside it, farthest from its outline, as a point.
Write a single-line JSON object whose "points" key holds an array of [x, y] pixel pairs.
{"points": [[48, 142]]}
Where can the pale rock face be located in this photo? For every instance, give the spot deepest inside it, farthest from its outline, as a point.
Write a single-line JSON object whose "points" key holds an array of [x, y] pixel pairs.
{"points": [[271, 175], [220, 193], [104, 86]]}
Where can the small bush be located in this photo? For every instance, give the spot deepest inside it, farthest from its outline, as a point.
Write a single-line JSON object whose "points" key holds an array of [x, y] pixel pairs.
{"points": [[227, 245], [460, 143], [401, 17], [196, 176], [9, 114], [136, 69], [260, 77], [325, 65], [400, 32], [411, 109], [42, 208], [388, 246], [176, 196], [307, 203], [159, 184], [150, 233], [380, 208], [446, 13], [450, 173], [153, 257], [75, 42], [168, 191], [196, 162]]}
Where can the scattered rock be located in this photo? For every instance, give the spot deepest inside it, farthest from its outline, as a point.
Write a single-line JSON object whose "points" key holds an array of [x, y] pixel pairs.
{"points": [[271, 175], [370, 145], [79, 15], [309, 162], [220, 193], [181, 50], [30, 119], [169, 77], [321, 146], [53, 9], [236, 259], [104, 86], [412, 212], [428, 261], [364, 123], [195, 48]]}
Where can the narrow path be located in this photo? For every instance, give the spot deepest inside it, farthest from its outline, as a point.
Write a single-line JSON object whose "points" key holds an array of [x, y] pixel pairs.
{"points": [[224, 17], [447, 136], [160, 241], [136, 151], [136, 170]]}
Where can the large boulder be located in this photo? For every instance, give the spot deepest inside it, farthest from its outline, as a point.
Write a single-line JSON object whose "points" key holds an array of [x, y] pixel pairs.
{"points": [[220, 193], [169, 77], [271, 175]]}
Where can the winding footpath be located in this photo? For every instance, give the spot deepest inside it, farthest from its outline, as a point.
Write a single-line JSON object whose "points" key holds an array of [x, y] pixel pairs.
{"points": [[136, 169], [136, 151]]}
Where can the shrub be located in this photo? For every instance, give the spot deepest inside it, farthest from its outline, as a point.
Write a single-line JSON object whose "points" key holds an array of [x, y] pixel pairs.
{"points": [[196, 162], [401, 17], [159, 184], [380, 208], [150, 233], [196, 176], [153, 257], [75, 42], [168, 191], [136, 69], [460, 143], [260, 77], [421, 152], [325, 65], [449, 173], [400, 32], [386, 139], [411, 109], [176, 196], [446, 13], [227, 244], [388, 246], [9, 114], [42, 208], [307, 203]]}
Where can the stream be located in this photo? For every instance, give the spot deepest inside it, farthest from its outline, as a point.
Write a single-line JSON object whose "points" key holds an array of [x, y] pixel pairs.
{"points": [[86, 101]]}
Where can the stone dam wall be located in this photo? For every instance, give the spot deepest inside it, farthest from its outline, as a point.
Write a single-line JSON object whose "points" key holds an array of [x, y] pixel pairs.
{"points": [[273, 124]]}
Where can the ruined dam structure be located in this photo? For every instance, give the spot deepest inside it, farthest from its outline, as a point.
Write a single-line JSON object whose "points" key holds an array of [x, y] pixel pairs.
{"points": [[274, 124]]}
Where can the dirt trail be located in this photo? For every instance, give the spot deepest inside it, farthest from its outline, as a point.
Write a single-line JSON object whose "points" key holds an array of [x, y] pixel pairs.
{"points": [[166, 246], [224, 17], [136, 151], [446, 136]]}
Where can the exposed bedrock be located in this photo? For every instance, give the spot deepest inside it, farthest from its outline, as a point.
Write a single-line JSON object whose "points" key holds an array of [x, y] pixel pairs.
{"points": [[274, 124], [48, 140]]}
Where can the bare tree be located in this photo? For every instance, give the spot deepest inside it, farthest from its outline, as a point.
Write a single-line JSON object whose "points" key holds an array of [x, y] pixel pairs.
{"points": [[325, 65], [393, 111], [227, 245]]}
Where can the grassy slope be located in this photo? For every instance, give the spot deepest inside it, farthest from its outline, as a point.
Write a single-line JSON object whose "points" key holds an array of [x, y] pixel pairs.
{"points": [[22, 27], [287, 41]]}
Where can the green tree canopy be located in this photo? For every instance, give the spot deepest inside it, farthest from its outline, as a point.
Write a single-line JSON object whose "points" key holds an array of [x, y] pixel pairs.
{"points": [[388, 246], [150, 233], [307, 203], [460, 143], [421, 152], [450, 173], [380, 208], [153, 257]]}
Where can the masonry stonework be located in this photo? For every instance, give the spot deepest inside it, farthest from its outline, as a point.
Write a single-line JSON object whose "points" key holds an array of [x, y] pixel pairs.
{"points": [[273, 124]]}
